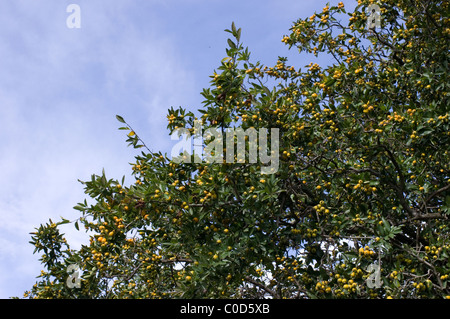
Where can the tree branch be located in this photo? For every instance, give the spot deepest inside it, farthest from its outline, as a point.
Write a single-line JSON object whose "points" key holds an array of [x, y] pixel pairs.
{"points": [[260, 285], [443, 189]]}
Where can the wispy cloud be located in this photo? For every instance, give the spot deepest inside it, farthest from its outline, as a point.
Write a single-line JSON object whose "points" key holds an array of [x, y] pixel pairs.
{"points": [[60, 91]]}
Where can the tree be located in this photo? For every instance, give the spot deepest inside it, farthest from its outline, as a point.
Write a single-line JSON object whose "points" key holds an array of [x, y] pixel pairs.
{"points": [[358, 208]]}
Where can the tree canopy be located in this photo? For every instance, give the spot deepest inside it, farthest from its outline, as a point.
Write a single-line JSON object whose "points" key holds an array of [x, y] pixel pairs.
{"points": [[358, 207]]}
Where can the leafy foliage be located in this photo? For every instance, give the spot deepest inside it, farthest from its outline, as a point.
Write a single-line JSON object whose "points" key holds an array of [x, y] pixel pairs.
{"points": [[363, 179]]}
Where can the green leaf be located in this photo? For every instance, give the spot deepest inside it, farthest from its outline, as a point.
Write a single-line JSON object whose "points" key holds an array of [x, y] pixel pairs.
{"points": [[79, 207], [330, 82], [266, 90], [64, 221], [311, 295], [231, 44], [120, 119]]}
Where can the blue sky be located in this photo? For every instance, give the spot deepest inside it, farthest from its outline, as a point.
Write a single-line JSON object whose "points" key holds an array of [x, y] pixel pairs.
{"points": [[61, 88]]}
